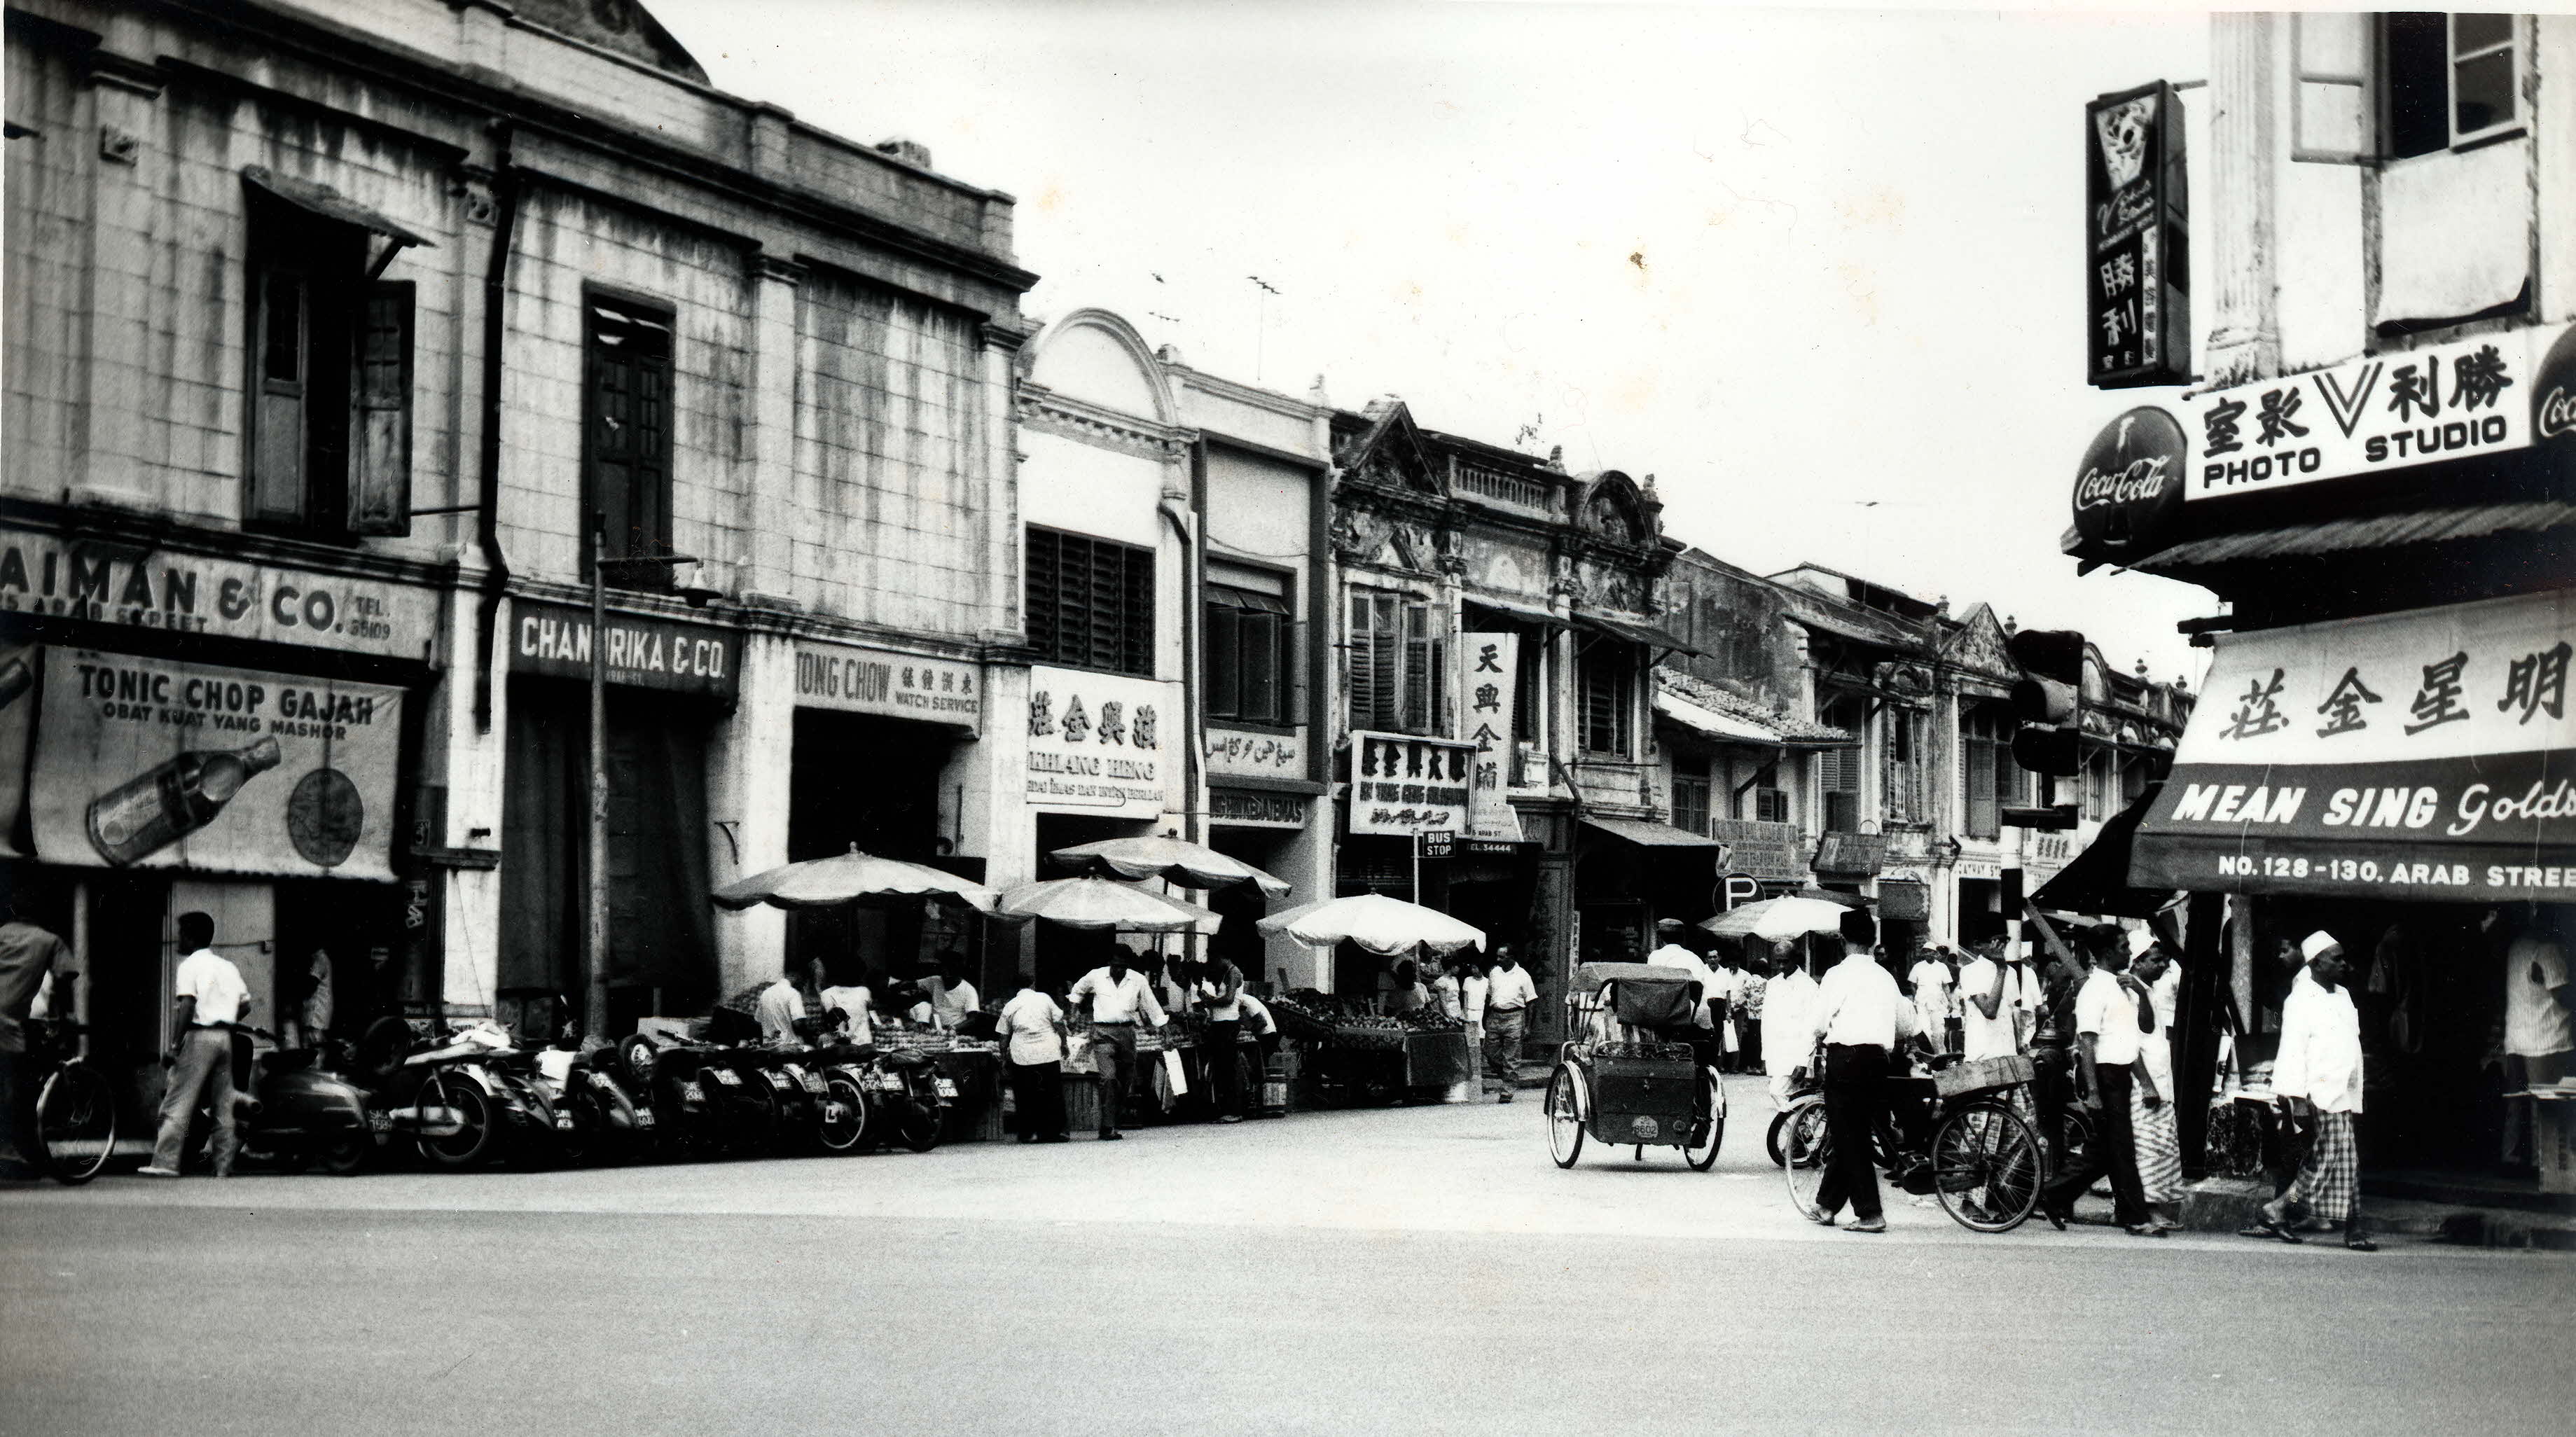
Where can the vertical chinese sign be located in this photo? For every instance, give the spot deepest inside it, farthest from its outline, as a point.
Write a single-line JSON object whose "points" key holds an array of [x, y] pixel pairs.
{"points": [[2137, 278], [1491, 670]]}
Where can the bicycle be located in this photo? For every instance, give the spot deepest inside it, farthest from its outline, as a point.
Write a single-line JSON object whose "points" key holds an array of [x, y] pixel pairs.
{"points": [[72, 1120], [1982, 1157]]}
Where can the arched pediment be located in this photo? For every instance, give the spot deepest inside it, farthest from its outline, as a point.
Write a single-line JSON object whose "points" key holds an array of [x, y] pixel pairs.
{"points": [[1097, 358], [1612, 507]]}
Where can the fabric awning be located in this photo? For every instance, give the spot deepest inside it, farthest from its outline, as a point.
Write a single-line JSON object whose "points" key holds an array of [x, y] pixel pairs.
{"points": [[332, 205], [2429, 754], [1710, 724], [1247, 600], [1634, 632], [2097, 879], [1649, 835]]}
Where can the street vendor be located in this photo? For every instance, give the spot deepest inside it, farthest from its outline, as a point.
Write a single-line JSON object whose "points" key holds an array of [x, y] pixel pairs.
{"points": [[1116, 993], [1219, 994], [851, 1002], [951, 996], [777, 1009]]}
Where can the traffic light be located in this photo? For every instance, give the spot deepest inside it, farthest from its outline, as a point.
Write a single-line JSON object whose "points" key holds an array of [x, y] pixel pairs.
{"points": [[2048, 704]]}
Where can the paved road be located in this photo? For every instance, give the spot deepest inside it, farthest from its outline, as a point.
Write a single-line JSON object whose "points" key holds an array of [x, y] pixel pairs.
{"points": [[1413, 1271]]}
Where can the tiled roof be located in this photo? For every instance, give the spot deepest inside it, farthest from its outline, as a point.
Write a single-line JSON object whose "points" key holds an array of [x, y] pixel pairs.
{"points": [[1717, 700]]}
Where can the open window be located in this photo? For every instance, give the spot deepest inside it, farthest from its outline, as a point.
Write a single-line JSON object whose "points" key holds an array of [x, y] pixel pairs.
{"points": [[626, 435], [1605, 675], [1250, 646], [328, 451], [2404, 84], [1394, 675]]}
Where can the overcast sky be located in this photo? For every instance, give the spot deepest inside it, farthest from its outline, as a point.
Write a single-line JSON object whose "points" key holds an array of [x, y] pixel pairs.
{"points": [[1817, 271]]}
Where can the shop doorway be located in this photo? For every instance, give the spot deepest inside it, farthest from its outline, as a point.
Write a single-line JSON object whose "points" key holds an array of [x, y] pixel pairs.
{"points": [[874, 783], [359, 926], [1243, 905]]}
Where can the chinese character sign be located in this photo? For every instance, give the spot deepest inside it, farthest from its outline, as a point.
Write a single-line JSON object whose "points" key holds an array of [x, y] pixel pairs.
{"points": [[1489, 677], [1404, 784], [2137, 282], [1096, 743]]}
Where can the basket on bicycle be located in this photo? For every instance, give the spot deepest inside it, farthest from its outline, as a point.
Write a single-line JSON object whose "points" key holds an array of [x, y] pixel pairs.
{"points": [[1978, 1075]]}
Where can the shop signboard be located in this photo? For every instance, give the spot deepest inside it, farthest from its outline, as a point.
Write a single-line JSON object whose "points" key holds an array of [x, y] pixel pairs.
{"points": [[1099, 743], [2137, 280], [1489, 665], [1248, 753], [1851, 855], [1401, 784], [1256, 808], [1764, 850], [642, 651], [138, 587], [159, 763], [2382, 412], [2128, 489], [847, 678], [2429, 754]]}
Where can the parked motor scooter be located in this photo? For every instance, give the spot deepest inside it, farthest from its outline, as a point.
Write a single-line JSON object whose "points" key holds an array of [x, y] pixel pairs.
{"points": [[459, 1100], [597, 1121], [911, 1098], [290, 1111], [701, 1099]]}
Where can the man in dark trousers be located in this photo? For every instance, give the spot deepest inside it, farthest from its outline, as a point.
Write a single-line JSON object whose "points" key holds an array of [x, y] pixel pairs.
{"points": [[2112, 1012], [1862, 1020]]}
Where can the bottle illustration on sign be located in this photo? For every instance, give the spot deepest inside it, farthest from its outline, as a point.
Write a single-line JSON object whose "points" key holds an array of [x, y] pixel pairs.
{"points": [[148, 813]]}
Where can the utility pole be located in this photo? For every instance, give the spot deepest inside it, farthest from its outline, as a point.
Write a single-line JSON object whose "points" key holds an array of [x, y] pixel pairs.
{"points": [[594, 1013]]}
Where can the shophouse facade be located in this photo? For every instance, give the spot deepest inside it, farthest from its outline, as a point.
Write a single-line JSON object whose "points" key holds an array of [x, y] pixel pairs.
{"points": [[329, 330], [2372, 476]]}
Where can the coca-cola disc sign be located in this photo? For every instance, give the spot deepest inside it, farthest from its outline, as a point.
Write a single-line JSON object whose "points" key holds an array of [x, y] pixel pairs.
{"points": [[2128, 490], [2553, 395]]}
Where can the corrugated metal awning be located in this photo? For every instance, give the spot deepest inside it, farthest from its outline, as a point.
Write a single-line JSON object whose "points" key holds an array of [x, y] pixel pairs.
{"points": [[2381, 531], [1649, 835], [1634, 632], [1709, 724]]}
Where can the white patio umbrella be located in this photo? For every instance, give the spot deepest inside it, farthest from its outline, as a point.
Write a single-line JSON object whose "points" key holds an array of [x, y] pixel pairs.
{"points": [[1192, 865], [1385, 926], [851, 877], [1775, 919], [1101, 903]]}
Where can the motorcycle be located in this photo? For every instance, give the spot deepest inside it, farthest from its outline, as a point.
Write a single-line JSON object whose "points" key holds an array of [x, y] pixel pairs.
{"points": [[597, 1120], [290, 1111], [702, 1101], [463, 1102]]}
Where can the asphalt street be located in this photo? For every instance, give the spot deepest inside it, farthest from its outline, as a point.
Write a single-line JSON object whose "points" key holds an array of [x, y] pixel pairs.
{"points": [[1422, 1270]]}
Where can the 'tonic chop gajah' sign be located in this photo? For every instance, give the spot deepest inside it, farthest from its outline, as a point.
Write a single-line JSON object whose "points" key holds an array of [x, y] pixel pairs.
{"points": [[2428, 754], [640, 652]]}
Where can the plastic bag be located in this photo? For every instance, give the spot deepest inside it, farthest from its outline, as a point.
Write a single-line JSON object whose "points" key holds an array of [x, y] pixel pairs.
{"points": [[1175, 1074]]}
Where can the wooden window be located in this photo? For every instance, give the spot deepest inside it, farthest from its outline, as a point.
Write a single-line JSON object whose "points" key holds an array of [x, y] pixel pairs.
{"points": [[626, 436], [1392, 663], [329, 443], [1690, 803], [1838, 770], [1771, 805], [1987, 768], [1091, 602], [1248, 652], [1606, 684]]}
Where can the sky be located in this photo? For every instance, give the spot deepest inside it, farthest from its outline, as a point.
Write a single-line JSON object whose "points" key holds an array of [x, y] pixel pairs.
{"points": [[1818, 271]]}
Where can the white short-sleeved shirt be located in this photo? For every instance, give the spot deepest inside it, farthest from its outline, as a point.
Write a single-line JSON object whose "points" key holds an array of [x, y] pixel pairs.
{"points": [[211, 979], [852, 1000], [778, 1008], [1995, 1037], [2535, 1024], [1931, 980], [2104, 1008], [1029, 1021], [2166, 991], [1471, 997]]}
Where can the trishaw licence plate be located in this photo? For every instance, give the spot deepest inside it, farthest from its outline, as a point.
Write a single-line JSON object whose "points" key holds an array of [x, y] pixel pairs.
{"points": [[947, 1087]]}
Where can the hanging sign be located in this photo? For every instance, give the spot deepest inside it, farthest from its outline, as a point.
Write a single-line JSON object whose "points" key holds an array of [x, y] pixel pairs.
{"points": [[1100, 743], [850, 679], [2128, 490], [1489, 678], [2386, 411], [2137, 281], [156, 763], [138, 587], [1403, 784]]}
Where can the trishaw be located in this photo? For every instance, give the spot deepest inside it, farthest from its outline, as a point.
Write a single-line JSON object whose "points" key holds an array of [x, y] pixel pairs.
{"points": [[1627, 1074], [1956, 1130]]}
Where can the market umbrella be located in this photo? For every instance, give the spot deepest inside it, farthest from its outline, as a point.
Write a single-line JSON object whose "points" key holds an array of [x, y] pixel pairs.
{"points": [[1382, 925], [850, 877], [1100, 903], [1192, 865], [1777, 918]]}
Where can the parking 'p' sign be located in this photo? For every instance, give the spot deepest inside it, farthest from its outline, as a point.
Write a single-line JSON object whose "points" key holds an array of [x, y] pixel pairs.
{"points": [[1738, 889]]}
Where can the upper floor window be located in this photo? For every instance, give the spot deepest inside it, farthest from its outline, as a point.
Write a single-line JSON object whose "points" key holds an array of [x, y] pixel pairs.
{"points": [[1393, 666], [1770, 805], [1606, 697], [1986, 764], [626, 435], [1690, 802], [1838, 770], [329, 413], [2403, 84], [1249, 650], [1091, 602]]}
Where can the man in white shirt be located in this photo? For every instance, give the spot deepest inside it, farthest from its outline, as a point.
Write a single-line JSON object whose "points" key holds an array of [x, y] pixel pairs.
{"points": [[1116, 993], [1218, 990], [207, 998], [778, 1008], [951, 996], [1861, 1019], [2151, 1095], [1998, 997], [1031, 1028], [2537, 1002], [1712, 986], [2317, 1079], [2111, 1012], [1930, 979], [1509, 992], [1787, 1041]]}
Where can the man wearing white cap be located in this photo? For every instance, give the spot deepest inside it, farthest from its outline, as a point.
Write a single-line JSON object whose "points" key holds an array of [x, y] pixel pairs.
{"points": [[2317, 1078]]}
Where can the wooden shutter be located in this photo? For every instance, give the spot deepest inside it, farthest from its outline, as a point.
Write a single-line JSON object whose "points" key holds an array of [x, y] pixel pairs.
{"points": [[380, 457], [1418, 670], [1135, 619], [1980, 764], [627, 441], [1258, 659], [1040, 602], [1228, 661], [280, 371]]}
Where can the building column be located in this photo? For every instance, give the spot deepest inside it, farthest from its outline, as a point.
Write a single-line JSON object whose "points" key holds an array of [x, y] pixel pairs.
{"points": [[2245, 332], [997, 822], [749, 765], [128, 168], [466, 904], [769, 518]]}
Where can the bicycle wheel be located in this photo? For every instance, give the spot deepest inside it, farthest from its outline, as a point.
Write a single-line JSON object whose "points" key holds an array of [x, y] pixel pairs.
{"points": [[845, 1114], [916, 1125], [75, 1124], [1701, 1152], [1805, 1149], [1986, 1167], [471, 1143], [1568, 1100]]}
